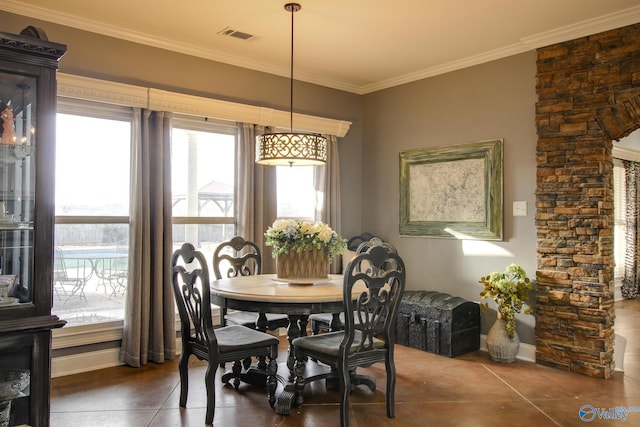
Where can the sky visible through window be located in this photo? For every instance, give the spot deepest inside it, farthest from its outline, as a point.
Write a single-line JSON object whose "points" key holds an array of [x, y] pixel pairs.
{"points": [[296, 195], [92, 166]]}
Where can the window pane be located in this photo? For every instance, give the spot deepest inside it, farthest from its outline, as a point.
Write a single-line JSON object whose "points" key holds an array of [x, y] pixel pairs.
{"points": [[92, 181], [92, 166], [203, 185], [90, 272], [204, 237], [296, 194], [202, 173]]}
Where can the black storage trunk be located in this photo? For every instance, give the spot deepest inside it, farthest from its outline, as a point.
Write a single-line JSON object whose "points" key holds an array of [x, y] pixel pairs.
{"points": [[438, 323]]}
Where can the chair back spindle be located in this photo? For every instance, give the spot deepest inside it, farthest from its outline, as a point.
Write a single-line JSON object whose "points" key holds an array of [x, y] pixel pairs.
{"points": [[375, 309], [240, 257], [322, 321], [190, 278], [237, 257]]}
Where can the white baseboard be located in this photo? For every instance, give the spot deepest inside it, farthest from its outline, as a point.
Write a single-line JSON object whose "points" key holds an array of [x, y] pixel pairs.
{"points": [[526, 352], [617, 291], [85, 362], [619, 349], [91, 361]]}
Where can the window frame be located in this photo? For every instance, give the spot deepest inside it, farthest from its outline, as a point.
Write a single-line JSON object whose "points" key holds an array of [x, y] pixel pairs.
{"points": [[94, 333], [213, 126], [619, 216], [96, 110]]}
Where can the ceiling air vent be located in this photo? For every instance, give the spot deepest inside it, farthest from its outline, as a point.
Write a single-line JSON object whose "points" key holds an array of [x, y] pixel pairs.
{"points": [[230, 32]]}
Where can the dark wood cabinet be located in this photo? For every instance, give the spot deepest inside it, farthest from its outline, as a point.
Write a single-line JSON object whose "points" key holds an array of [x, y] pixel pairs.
{"points": [[28, 67]]}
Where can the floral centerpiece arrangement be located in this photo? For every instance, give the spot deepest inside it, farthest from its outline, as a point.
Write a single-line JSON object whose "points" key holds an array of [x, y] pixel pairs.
{"points": [[286, 235], [510, 291], [303, 249]]}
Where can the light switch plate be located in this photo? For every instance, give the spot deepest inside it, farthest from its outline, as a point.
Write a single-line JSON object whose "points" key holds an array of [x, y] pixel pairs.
{"points": [[520, 208]]}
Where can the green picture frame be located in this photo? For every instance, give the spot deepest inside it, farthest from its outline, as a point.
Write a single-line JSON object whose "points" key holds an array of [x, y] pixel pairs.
{"points": [[453, 191]]}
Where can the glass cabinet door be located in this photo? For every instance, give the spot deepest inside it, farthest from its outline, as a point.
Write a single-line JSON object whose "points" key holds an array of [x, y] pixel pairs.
{"points": [[17, 187], [28, 65]]}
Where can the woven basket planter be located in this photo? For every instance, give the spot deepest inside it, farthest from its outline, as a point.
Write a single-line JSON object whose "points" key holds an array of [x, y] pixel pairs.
{"points": [[304, 266]]}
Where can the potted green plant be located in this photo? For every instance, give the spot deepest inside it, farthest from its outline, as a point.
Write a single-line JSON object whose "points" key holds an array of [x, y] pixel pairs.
{"points": [[510, 291]]}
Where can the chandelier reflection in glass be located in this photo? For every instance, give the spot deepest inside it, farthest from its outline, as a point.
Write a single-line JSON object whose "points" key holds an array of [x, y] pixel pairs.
{"points": [[293, 148]]}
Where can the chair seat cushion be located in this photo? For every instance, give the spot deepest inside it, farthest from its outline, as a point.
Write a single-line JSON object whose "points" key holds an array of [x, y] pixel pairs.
{"points": [[231, 338], [329, 343], [325, 317], [250, 318]]}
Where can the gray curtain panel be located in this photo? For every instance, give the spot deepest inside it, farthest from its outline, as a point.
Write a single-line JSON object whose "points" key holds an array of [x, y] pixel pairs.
{"points": [[630, 286], [327, 184], [256, 193], [149, 323]]}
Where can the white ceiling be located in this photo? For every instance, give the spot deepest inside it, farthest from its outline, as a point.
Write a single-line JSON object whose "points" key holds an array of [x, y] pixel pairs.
{"points": [[358, 46]]}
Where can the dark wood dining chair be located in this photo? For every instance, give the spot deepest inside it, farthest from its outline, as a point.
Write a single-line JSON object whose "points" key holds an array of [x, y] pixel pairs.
{"points": [[355, 241], [322, 321], [372, 340], [240, 257], [190, 280]]}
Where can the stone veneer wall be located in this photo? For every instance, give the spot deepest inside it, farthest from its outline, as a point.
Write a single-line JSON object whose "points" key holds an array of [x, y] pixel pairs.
{"points": [[588, 95]]}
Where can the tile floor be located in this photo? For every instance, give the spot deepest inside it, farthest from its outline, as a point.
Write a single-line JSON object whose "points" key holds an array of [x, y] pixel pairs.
{"points": [[432, 390]]}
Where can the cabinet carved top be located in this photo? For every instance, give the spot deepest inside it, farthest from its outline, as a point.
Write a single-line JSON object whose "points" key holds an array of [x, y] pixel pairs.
{"points": [[14, 44]]}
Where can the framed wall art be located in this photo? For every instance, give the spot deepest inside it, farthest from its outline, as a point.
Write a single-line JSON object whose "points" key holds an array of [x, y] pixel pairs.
{"points": [[453, 191]]}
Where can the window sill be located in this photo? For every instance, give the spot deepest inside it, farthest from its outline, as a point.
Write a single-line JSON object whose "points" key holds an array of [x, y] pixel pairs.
{"points": [[76, 336], [86, 334]]}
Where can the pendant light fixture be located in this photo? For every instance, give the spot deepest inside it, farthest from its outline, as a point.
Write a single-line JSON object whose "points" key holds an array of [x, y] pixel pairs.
{"points": [[291, 149]]}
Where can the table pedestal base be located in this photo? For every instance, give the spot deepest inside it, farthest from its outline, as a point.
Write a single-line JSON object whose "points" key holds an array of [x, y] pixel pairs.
{"points": [[253, 376], [287, 398], [332, 382]]}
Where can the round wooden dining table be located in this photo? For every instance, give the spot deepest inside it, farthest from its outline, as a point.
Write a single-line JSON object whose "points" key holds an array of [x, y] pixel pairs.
{"points": [[265, 293]]}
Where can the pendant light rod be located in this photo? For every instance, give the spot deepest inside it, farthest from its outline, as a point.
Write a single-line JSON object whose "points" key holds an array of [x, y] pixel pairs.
{"points": [[293, 8]]}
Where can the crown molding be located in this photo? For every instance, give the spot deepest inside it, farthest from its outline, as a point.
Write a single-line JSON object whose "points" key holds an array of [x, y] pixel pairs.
{"points": [[581, 29], [445, 68], [588, 27], [591, 26], [85, 88]]}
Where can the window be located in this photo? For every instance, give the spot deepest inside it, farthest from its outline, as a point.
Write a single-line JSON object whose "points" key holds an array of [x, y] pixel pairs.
{"points": [[619, 203], [296, 192], [203, 183], [92, 212]]}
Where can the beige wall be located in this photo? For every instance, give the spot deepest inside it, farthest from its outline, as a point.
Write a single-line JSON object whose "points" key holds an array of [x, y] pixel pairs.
{"points": [[494, 100], [489, 101]]}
